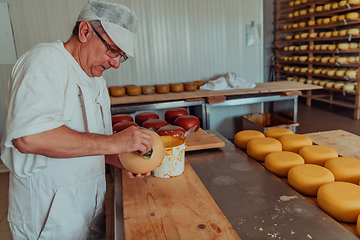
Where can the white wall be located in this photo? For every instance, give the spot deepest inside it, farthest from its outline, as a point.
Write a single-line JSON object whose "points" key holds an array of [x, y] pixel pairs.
{"points": [[177, 41]]}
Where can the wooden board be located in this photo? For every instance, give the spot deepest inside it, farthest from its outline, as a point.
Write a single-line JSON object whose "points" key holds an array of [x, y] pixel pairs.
{"points": [[172, 208], [269, 87], [202, 140]]}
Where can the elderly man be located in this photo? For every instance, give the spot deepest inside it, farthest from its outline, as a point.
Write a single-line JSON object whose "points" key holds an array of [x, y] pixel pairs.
{"points": [[58, 128]]}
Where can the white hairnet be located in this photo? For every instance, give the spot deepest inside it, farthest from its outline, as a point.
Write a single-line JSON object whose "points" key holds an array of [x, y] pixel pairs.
{"points": [[118, 21]]}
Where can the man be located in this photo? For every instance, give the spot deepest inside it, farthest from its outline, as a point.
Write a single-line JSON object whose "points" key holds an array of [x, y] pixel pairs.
{"points": [[58, 128]]}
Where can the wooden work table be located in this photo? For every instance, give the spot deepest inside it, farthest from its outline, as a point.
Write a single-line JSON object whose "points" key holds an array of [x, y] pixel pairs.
{"points": [[242, 200]]}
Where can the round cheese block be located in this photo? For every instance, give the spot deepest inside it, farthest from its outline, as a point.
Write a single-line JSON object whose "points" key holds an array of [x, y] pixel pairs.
{"points": [[350, 59], [331, 72], [304, 47], [199, 83], [307, 178], [142, 117], [172, 113], [353, 31], [304, 35], [296, 13], [327, 6], [355, 2], [352, 15], [319, 21], [319, 8], [342, 32], [294, 142], [297, 2], [303, 58], [348, 87], [281, 162], [171, 130], [133, 91], [303, 12], [258, 148], [311, 23], [329, 84], [242, 138], [176, 87], [344, 169], [350, 73], [291, 15], [343, 46], [154, 124], [353, 45], [117, 91], [334, 18], [277, 132], [341, 60], [328, 34], [118, 127], [289, 37], [147, 89], [316, 82], [317, 154], [335, 33], [295, 58], [311, 10], [162, 88], [121, 118], [302, 24], [340, 200], [190, 86], [341, 17], [291, 3], [326, 20], [342, 3], [188, 122], [335, 5], [339, 85]]}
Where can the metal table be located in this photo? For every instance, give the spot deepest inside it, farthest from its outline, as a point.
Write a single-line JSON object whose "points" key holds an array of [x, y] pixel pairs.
{"points": [[257, 203]]}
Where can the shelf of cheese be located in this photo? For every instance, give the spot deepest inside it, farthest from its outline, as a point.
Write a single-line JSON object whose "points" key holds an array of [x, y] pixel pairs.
{"points": [[292, 6], [339, 86], [323, 74]]}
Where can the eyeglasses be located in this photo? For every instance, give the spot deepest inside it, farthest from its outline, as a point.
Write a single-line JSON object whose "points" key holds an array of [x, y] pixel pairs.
{"points": [[111, 52]]}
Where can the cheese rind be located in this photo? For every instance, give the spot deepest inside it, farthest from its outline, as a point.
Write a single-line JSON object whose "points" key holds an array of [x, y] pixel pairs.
{"points": [[294, 142], [242, 138], [281, 162], [340, 200], [307, 178], [316, 154], [344, 169], [259, 148]]}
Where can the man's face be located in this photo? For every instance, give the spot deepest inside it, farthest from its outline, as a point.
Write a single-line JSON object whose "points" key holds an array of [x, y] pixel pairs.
{"points": [[94, 57]]}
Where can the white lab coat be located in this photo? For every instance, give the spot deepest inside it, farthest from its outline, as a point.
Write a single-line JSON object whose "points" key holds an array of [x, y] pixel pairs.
{"points": [[54, 198]]}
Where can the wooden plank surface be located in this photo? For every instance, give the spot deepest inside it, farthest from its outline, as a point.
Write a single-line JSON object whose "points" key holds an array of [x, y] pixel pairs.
{"points": [[346, 144], [202, 140], [268, 87], [172, 208]]}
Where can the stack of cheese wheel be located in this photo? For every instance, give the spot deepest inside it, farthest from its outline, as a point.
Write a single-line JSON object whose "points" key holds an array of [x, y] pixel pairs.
{"points": [[142, 117], [172, 113], [242, 138], [259, 148], [121, 118], [340, 200], [277, 132], [344, 169], [308, 178], [294, 142], [316, 154], [281, 162]]}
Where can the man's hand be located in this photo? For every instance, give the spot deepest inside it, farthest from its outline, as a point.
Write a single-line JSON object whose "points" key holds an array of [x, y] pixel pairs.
{"points": [[132, 139]]}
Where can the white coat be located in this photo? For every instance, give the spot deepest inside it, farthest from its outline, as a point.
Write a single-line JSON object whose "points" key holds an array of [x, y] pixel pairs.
{"points": [[54, 198]]}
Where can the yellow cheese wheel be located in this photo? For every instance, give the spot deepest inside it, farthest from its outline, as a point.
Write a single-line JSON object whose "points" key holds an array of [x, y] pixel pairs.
{"points": [[331, 72], [352, 15], [295, 58], [303, 12], [353, 45], [133, 91], [291, 15], [319, 8], [281, 162], [162, 88], [297, 36], [319, 21], [289, 37], [350, 59], [304, 35], [243, 137], [341, 60], [291, 4], [311, 22], [334, 18], [353, 31], [317, 154], [343, 32], [311, 10], [326, 20], [297, 2], [343, 46], [330, 84], [190, 86], [327, 6], [328, 34], [316, 82], [258, 148], [341, 72], [335, 5], [117, 91], [339, 85], [295, 25], [135, 163], [302, 24], [309, 81], [303, 58], [349, 87], [344, 169], [342, 3], [335, 33], [340, 200], [350, 73], [358, 225], [355, 2], [341, 17], [176, 87], [147, 89], [308, 178], [294, 142], [277, 132]]}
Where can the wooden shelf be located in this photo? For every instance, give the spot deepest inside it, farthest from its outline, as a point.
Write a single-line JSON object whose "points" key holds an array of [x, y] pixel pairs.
{"points": [[280, 50], [309, 3], [319, 75], [320, 63], [322, 26], [318, 39]]}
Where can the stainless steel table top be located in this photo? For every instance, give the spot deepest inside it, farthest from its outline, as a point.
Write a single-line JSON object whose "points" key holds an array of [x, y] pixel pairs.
{"points": [[257, 203]]}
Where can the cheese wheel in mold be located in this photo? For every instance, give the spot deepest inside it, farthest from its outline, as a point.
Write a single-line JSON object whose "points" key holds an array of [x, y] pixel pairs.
{"points": [[121, 118], [118, 127], [294, 142], [307, 178], [340, 200], [317, 154], [259, 148], [172, 113], [154, 124], [243, 137], [344, 169], [135, 163], [142, 117], [162, 88], [147, 89], [277, 132], [176, 87], [281, 162], [117, 91], [133, 91]]}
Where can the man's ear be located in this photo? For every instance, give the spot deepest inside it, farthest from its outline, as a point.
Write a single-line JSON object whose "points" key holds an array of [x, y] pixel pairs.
{"points": [[84, 31]]}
